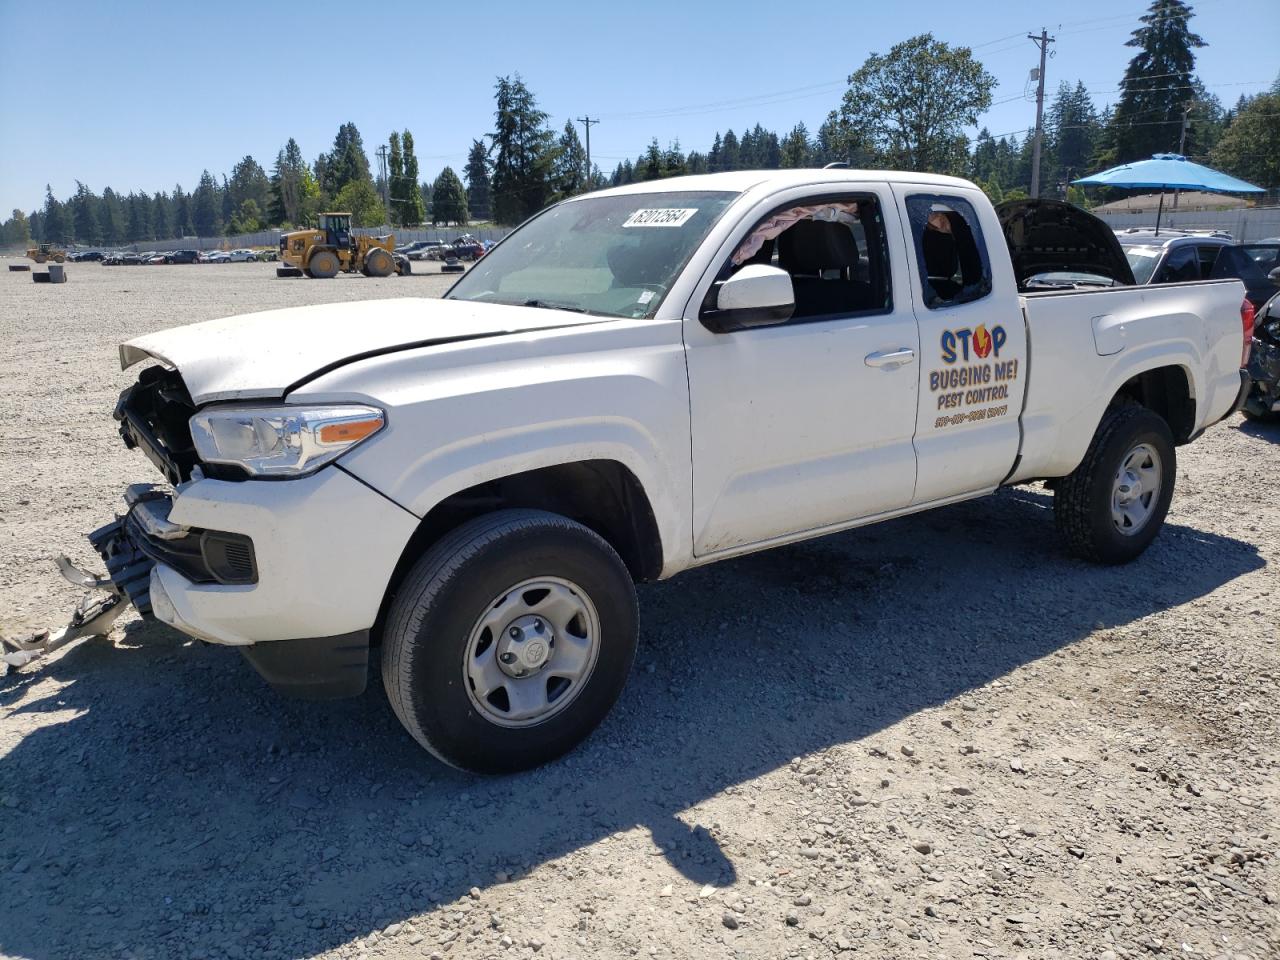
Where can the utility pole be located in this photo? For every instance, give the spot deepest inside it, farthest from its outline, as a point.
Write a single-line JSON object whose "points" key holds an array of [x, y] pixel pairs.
{"points": [[382, 171], [1182, 142], [1042, 42], [586, 123]]}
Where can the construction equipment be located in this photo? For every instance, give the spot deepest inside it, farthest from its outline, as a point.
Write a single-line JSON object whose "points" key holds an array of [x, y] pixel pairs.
{"points": [[47, 251], [332, 247]]}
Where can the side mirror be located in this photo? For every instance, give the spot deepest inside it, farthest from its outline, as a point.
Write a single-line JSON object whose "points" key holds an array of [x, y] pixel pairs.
{"points": [[1274, 276], [758, 295]]}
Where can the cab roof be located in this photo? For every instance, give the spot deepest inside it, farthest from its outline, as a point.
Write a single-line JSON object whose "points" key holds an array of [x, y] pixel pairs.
{"points": [[742, 181]]}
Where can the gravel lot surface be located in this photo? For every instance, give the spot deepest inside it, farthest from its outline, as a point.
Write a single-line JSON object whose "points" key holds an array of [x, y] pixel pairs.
{"points": [[933, 738]]}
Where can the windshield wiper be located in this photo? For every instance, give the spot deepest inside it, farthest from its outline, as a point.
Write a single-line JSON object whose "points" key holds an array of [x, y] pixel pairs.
{"points": [[552, 305]]}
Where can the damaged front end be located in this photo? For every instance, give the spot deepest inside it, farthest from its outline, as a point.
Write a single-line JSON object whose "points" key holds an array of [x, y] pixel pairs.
{"points": [[1263, 401], [153, 416]]}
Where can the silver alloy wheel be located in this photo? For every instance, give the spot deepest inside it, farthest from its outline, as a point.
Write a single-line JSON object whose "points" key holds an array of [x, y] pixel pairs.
{"points": [[531, 652], [1136, 490]]}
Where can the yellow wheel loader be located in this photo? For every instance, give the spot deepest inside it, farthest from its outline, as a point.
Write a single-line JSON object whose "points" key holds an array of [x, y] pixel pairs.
{"points": [[332, 248], [47, 251]]}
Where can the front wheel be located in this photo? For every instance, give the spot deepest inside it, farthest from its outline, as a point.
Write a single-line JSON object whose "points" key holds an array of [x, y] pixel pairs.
{"points": [[509, 641], [1113, 504]]}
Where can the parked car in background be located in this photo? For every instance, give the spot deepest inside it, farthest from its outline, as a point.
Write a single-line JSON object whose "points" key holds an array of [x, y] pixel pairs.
{"points": [[427, 250], [270, 255], [408, 248], [1170, 257], [112, 259], [1257, 265], [131, 259], [1263, 402], [158, 258], [466, 247], [182, 256], [215, 256], [84, 256], [242, 256]]}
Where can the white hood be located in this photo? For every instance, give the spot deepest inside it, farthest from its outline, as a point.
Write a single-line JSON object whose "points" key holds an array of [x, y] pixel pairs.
{"points": [[264, 354]]}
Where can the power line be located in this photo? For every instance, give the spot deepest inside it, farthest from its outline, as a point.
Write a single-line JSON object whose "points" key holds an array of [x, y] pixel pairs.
{"points": [[587, 122], [1042, 43]]}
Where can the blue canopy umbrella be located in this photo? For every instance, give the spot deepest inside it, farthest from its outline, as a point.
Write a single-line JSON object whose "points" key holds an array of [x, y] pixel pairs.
{"points": [[1168, 171]]}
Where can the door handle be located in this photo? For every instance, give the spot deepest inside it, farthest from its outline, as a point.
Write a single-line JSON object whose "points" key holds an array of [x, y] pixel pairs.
{"points": [[890, 358]]}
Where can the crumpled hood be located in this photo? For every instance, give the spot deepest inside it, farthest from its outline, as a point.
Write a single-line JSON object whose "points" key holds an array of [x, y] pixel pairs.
{"points": [[265, 354]]}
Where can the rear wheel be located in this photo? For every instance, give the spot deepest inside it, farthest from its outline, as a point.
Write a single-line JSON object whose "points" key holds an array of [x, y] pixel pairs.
{"points": [[1111, 507], [324, 265], [378, 263], [509, 641]]}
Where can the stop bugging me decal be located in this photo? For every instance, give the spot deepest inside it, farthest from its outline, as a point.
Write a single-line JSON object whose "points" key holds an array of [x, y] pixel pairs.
{"points": [[973, 375]]}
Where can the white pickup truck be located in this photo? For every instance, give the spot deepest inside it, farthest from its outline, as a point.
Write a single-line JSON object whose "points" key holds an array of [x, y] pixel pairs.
{"points": [[633, 383]]}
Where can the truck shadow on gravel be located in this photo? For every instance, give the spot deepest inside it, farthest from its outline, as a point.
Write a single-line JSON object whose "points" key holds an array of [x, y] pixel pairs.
{"points": [[172, 806]]}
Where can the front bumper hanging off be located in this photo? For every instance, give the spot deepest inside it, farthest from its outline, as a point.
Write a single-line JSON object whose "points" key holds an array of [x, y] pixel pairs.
{"points": [[130, 546], [128, 576]]}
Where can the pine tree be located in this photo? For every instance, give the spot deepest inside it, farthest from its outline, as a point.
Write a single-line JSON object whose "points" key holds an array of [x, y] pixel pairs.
{"points": [[448, 199], [138, 226], [795, 148], [84, 215], [55, 225], [413, 210], [1157, 84], [1250, 148], [248, 182], [206, 206], [477, 172], [288, 185], [730, 152], [111, 218], [569, 170], [346, 163], [1072, 134], [523, 149], [715, 159]]}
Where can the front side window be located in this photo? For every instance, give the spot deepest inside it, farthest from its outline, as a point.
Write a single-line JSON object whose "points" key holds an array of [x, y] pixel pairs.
{"points": [[950, 249], [835, 251], [1142, 261], [613, 256]]}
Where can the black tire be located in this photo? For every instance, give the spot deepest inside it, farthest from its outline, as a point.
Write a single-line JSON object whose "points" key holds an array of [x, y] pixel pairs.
{"points": [[1082, 500], [378, 263], [436, 609], [324, 265]]}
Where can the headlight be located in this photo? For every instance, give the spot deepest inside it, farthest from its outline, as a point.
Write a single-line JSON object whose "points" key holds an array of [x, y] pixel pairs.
{"points": [[282, 441]]}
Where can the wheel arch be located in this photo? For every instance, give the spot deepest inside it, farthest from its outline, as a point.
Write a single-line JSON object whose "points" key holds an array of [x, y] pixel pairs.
{"points": [[1167, 391], [603, 495]]}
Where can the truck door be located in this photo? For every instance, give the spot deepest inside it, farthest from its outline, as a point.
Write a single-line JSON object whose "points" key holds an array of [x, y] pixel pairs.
{"points": [[806, 424], [973, 356]]}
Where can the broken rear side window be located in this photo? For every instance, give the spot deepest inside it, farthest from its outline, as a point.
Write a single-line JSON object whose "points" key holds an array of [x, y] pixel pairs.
{"points": [[950, 250]]}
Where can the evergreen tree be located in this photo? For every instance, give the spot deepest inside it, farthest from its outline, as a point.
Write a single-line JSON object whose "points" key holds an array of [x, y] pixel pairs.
{"points": [[715, 156], [111, 218], [477, 172], [413, 210], [56, 227], [673, 162], [795, 148], [695, 163], [249, 182], [448, 199], [1071, 136], [346, 163], [523, 152], [730, 151], [17, 231], [138, 226], [1157, 84], [206, 206], [649, 166], [226, 212], [569, 169], [84, 215], [289, 180]]}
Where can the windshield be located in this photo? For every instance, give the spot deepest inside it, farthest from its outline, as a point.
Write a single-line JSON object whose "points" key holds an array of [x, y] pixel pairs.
{"points": [[615, 256], [1142, 260]]}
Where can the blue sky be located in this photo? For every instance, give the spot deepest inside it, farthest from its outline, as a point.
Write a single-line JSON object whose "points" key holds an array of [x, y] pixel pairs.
{"points": [[140, 95]]}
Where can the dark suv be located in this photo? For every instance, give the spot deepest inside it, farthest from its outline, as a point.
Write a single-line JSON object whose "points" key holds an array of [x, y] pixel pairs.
{"points": [[182, 256], [1176, 257]]}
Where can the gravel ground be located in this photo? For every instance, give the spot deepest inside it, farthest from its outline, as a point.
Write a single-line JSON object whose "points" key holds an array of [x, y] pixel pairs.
{"points": [[933, 738]]}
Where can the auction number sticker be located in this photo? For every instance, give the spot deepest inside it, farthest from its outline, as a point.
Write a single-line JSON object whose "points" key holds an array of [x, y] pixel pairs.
{"points": [[662, 217]]}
